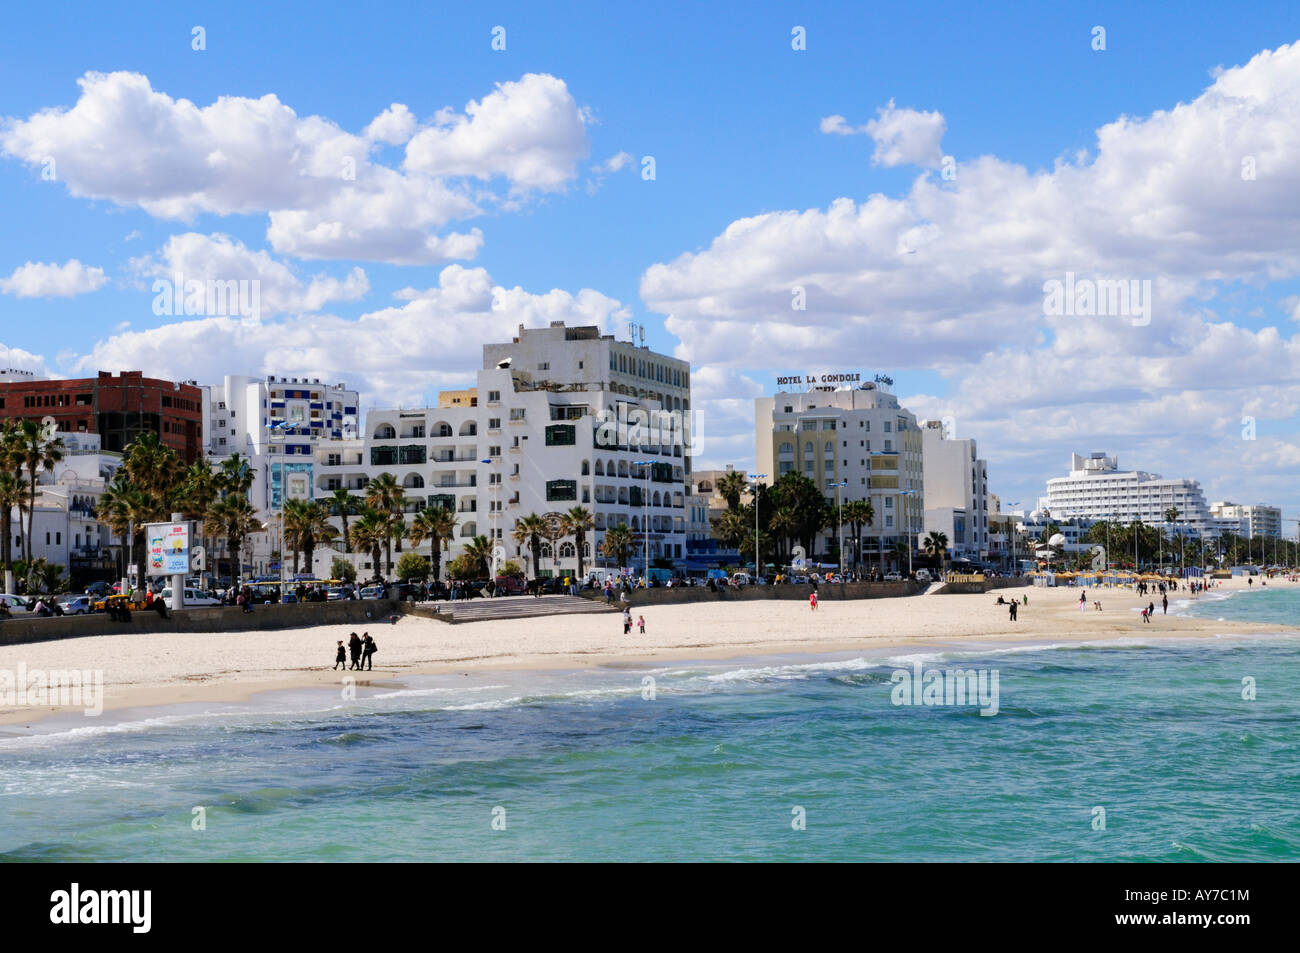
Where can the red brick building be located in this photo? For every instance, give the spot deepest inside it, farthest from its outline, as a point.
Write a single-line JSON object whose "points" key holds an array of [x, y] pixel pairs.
{"points": [[118, 407]]}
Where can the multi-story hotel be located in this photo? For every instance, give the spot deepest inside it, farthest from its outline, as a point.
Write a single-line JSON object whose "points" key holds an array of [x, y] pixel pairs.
{"points": [[1248, 520], [559, 417], [854, 435], [117, 407], [247, 415], [1097, 489], [956, 491]]}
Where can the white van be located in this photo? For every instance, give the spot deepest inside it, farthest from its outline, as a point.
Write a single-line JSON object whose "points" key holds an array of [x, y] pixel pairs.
{"points": [[739, 579], [193, 598], [923, 575]]}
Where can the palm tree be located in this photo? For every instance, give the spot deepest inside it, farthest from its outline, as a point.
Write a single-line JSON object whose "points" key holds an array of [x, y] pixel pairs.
{"points": [[578, 522], [731, 486], [529, 531], [11, 498], [859, 513], [617, 544], [314, 527], [35, 452], [369, 532], [1171, 516], [291, 528], [436, 524], [935, 546], [343, 504], [385, 494], [479, 549], [232, 517], [783, 524], [733, 526]]}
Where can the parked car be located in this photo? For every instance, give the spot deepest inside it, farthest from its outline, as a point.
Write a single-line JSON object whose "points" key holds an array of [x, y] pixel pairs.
{"points": [[99, 589], [371, 592], [335, 594], [923, 575], [193, 598], [74, 605], [17, 603], [741, 579], [893, 577], [512, 585]]}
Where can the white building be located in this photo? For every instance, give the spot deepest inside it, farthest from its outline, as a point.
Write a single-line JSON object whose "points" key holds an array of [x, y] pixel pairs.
{"points": [[65, 531], [241, 415], [1097, 489], [559, 417], [956, 491], [1248, 520], [859, 436]]}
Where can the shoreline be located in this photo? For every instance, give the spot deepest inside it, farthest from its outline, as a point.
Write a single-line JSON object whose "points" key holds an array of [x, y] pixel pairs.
{"points": [[195, 667]]}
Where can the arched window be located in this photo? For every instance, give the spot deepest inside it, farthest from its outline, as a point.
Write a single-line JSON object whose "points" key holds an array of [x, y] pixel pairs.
{"points": [[413, 481], [808, 449], [787, 447], [586, 468], [568, 551], [385, 432]]}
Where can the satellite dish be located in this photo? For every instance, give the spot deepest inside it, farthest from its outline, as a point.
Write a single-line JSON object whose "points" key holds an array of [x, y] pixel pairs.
{"points": [[1057, 539]]}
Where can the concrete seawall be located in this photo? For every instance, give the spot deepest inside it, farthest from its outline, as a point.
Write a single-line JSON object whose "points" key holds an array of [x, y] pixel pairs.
{"points": [[19, 628], [827, 591], [986, 585]]}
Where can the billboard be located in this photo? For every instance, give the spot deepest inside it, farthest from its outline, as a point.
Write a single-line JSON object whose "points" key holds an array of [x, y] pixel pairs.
{"points": [[167, 549]]}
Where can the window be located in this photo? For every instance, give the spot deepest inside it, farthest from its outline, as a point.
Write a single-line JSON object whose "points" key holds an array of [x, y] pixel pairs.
{"points": [[383, 456], [494, 395], [561, 435], [517, 413], [561, 490], [886, 426]]}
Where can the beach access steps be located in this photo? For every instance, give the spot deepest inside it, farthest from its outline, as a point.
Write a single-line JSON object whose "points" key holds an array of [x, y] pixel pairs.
{"points": [[507, 607]]}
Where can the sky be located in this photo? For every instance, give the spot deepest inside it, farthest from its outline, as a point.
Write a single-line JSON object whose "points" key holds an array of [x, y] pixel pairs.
{"points": [[767, 189]]}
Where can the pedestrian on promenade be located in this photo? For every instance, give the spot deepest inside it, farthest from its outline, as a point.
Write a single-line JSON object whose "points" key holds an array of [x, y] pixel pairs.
{"points": [[341, 658], [354, 648], [369, 648]]}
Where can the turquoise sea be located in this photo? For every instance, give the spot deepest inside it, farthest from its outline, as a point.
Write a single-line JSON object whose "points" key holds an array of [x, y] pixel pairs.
{"points": [[721, 761]]}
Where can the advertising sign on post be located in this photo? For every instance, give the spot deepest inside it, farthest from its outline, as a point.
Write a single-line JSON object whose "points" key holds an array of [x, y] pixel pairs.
{"points": [[167, 547]]}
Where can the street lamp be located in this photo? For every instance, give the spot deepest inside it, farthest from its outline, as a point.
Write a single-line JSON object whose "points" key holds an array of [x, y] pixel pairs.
{"points": [[754, 488], [839, 502], [1011, 537], [645, 519]]}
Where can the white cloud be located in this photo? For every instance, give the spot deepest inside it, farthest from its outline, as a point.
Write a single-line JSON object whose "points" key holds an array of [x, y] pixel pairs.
{"points": [[949, 277], [325, 195], [615, 162], [530, 131], [394, 126], [42, 280], [222, 258], [906, 136], [902, 136], [398, 354]]}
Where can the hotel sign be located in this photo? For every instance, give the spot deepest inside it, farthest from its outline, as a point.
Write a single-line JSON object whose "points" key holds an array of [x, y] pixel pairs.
{"points": [[809, 380]]}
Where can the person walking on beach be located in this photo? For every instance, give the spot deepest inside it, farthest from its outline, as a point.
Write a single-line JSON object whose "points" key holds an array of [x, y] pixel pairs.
{"points": [[627, 621], [812, 600], [1151, 608], [1164, 604], [341, 658], [1146, 616], [640, 621], [1013, 610], [367, 652], [354, 648]]}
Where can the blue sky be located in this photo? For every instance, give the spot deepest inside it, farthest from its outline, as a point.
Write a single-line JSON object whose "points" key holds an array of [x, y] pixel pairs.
{"points": [[732, 117]]}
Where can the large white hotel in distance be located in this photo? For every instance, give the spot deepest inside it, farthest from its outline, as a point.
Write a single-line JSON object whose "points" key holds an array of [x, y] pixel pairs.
{"points": [[559, 417], [1097, 489]]}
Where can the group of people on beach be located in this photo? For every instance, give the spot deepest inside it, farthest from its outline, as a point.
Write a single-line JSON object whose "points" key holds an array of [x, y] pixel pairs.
{"points": [[627, 621], [362, 649]]}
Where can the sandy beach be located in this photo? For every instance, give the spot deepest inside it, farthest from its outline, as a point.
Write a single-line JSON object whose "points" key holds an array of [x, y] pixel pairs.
{"points": [[141, 670]]}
